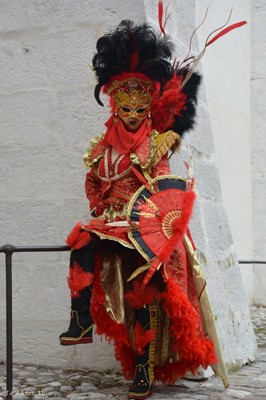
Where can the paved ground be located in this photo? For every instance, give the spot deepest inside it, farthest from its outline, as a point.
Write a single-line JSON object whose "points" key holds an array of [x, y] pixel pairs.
{"points": [[46, 384]]}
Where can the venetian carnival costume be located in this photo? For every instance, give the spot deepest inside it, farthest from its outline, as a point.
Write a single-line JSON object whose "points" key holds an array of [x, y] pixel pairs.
{"points": [[144, 290]]}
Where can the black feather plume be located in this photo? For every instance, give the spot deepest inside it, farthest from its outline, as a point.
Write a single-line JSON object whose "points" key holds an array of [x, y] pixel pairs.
{"points": [[186, 119], [116, 48]]}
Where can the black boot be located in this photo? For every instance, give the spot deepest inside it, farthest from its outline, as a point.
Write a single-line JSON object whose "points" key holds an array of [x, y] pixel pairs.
{"points": [[81, 324], [80, 283], [144, 374]]}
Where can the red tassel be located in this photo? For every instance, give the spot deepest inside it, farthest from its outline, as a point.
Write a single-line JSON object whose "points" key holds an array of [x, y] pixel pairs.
{"points": [[78, 280], [142, 337], [153, 268], [225, 31], [77, 237], [138, 297], [160, 16]]}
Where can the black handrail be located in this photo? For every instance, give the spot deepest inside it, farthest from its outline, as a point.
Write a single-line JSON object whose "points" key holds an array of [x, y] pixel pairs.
{"points": [[8, 250]]}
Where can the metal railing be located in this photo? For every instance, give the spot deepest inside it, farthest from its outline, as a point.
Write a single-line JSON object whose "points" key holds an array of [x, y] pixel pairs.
{"points": [[8, 250]]}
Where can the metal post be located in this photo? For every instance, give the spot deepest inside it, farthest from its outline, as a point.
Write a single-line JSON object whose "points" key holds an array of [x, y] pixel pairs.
{"points": [[8, 250]]}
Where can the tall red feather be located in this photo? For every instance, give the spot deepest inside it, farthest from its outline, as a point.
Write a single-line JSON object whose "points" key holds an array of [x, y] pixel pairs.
{"points": [[225, 31], [160, 16]]}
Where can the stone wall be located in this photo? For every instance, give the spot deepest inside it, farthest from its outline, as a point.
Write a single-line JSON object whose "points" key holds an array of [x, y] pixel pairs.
{"points": [[258, 145], [48, 114]]}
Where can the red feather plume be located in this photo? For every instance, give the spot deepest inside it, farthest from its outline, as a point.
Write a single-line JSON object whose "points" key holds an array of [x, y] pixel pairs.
{"points": [[160, 16], [225, 31], [78, 280], [137, 297], [142, 337], [168, 105], [78, 237]]}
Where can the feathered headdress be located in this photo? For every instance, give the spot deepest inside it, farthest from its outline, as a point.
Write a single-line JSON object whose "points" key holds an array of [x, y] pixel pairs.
{"points": [[136, 51]]}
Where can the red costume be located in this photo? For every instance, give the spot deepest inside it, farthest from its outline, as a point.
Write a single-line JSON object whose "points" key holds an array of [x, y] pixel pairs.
{"points": [[154, 308]]}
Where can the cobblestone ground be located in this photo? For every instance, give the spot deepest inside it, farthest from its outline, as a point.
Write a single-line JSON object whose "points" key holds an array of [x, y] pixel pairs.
{"points": [[31, 382]]}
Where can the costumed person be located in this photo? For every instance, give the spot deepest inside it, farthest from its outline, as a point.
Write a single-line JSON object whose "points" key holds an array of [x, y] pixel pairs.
{"points": [[134, 276]]}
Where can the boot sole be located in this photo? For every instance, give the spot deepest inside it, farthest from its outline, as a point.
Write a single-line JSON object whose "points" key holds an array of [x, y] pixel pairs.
{"points": [[73, 341], [136, 396]]}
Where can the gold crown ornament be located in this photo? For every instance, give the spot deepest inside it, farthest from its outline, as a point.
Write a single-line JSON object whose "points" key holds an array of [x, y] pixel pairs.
{"points": [[133, 92]]}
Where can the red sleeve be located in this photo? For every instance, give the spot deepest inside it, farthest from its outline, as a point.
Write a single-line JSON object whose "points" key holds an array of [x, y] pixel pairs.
{"points": [[162, 168], [93, 189]]}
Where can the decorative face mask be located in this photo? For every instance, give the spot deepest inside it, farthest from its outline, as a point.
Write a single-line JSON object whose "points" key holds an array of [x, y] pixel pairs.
{"points": [[133, 117], [132, 101]]}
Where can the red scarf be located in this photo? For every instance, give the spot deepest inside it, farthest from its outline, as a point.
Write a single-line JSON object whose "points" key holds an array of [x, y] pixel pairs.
{"points": [[123, 141]]}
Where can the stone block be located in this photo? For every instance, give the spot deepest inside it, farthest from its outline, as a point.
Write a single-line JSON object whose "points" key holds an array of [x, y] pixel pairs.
{"points": [[68, 54], [13, 16], [200, 137], [40, 290], [76, 209], [30, 223], [197, 228], [27, 119], [41, 172], [57, 13], [207, 178], [22, 64], [259, 284], [217, 229], [258, 99], [42, 348], [80, 118]]}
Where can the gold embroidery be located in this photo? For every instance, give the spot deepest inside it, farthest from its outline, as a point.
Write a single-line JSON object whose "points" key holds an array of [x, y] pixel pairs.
{"points": [[168, 221], [87, 162]]}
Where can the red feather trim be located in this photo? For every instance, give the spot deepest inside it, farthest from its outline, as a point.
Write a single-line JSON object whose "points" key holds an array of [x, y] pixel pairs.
{"points": [[179, 226], [77, 237], [225, 31], [160, 16], [140, 296], [110, 328], [168, 105], [142, 337], [78, 280], [193, 350]]}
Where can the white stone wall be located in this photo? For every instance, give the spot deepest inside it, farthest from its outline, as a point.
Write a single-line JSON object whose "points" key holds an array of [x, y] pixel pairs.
{"points": [[226, 67], [258, 145], [48, 114]]}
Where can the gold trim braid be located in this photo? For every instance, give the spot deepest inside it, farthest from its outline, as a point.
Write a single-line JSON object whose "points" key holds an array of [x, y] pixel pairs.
{"points": [[164, 142], [153, 309], [87, 162]]}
